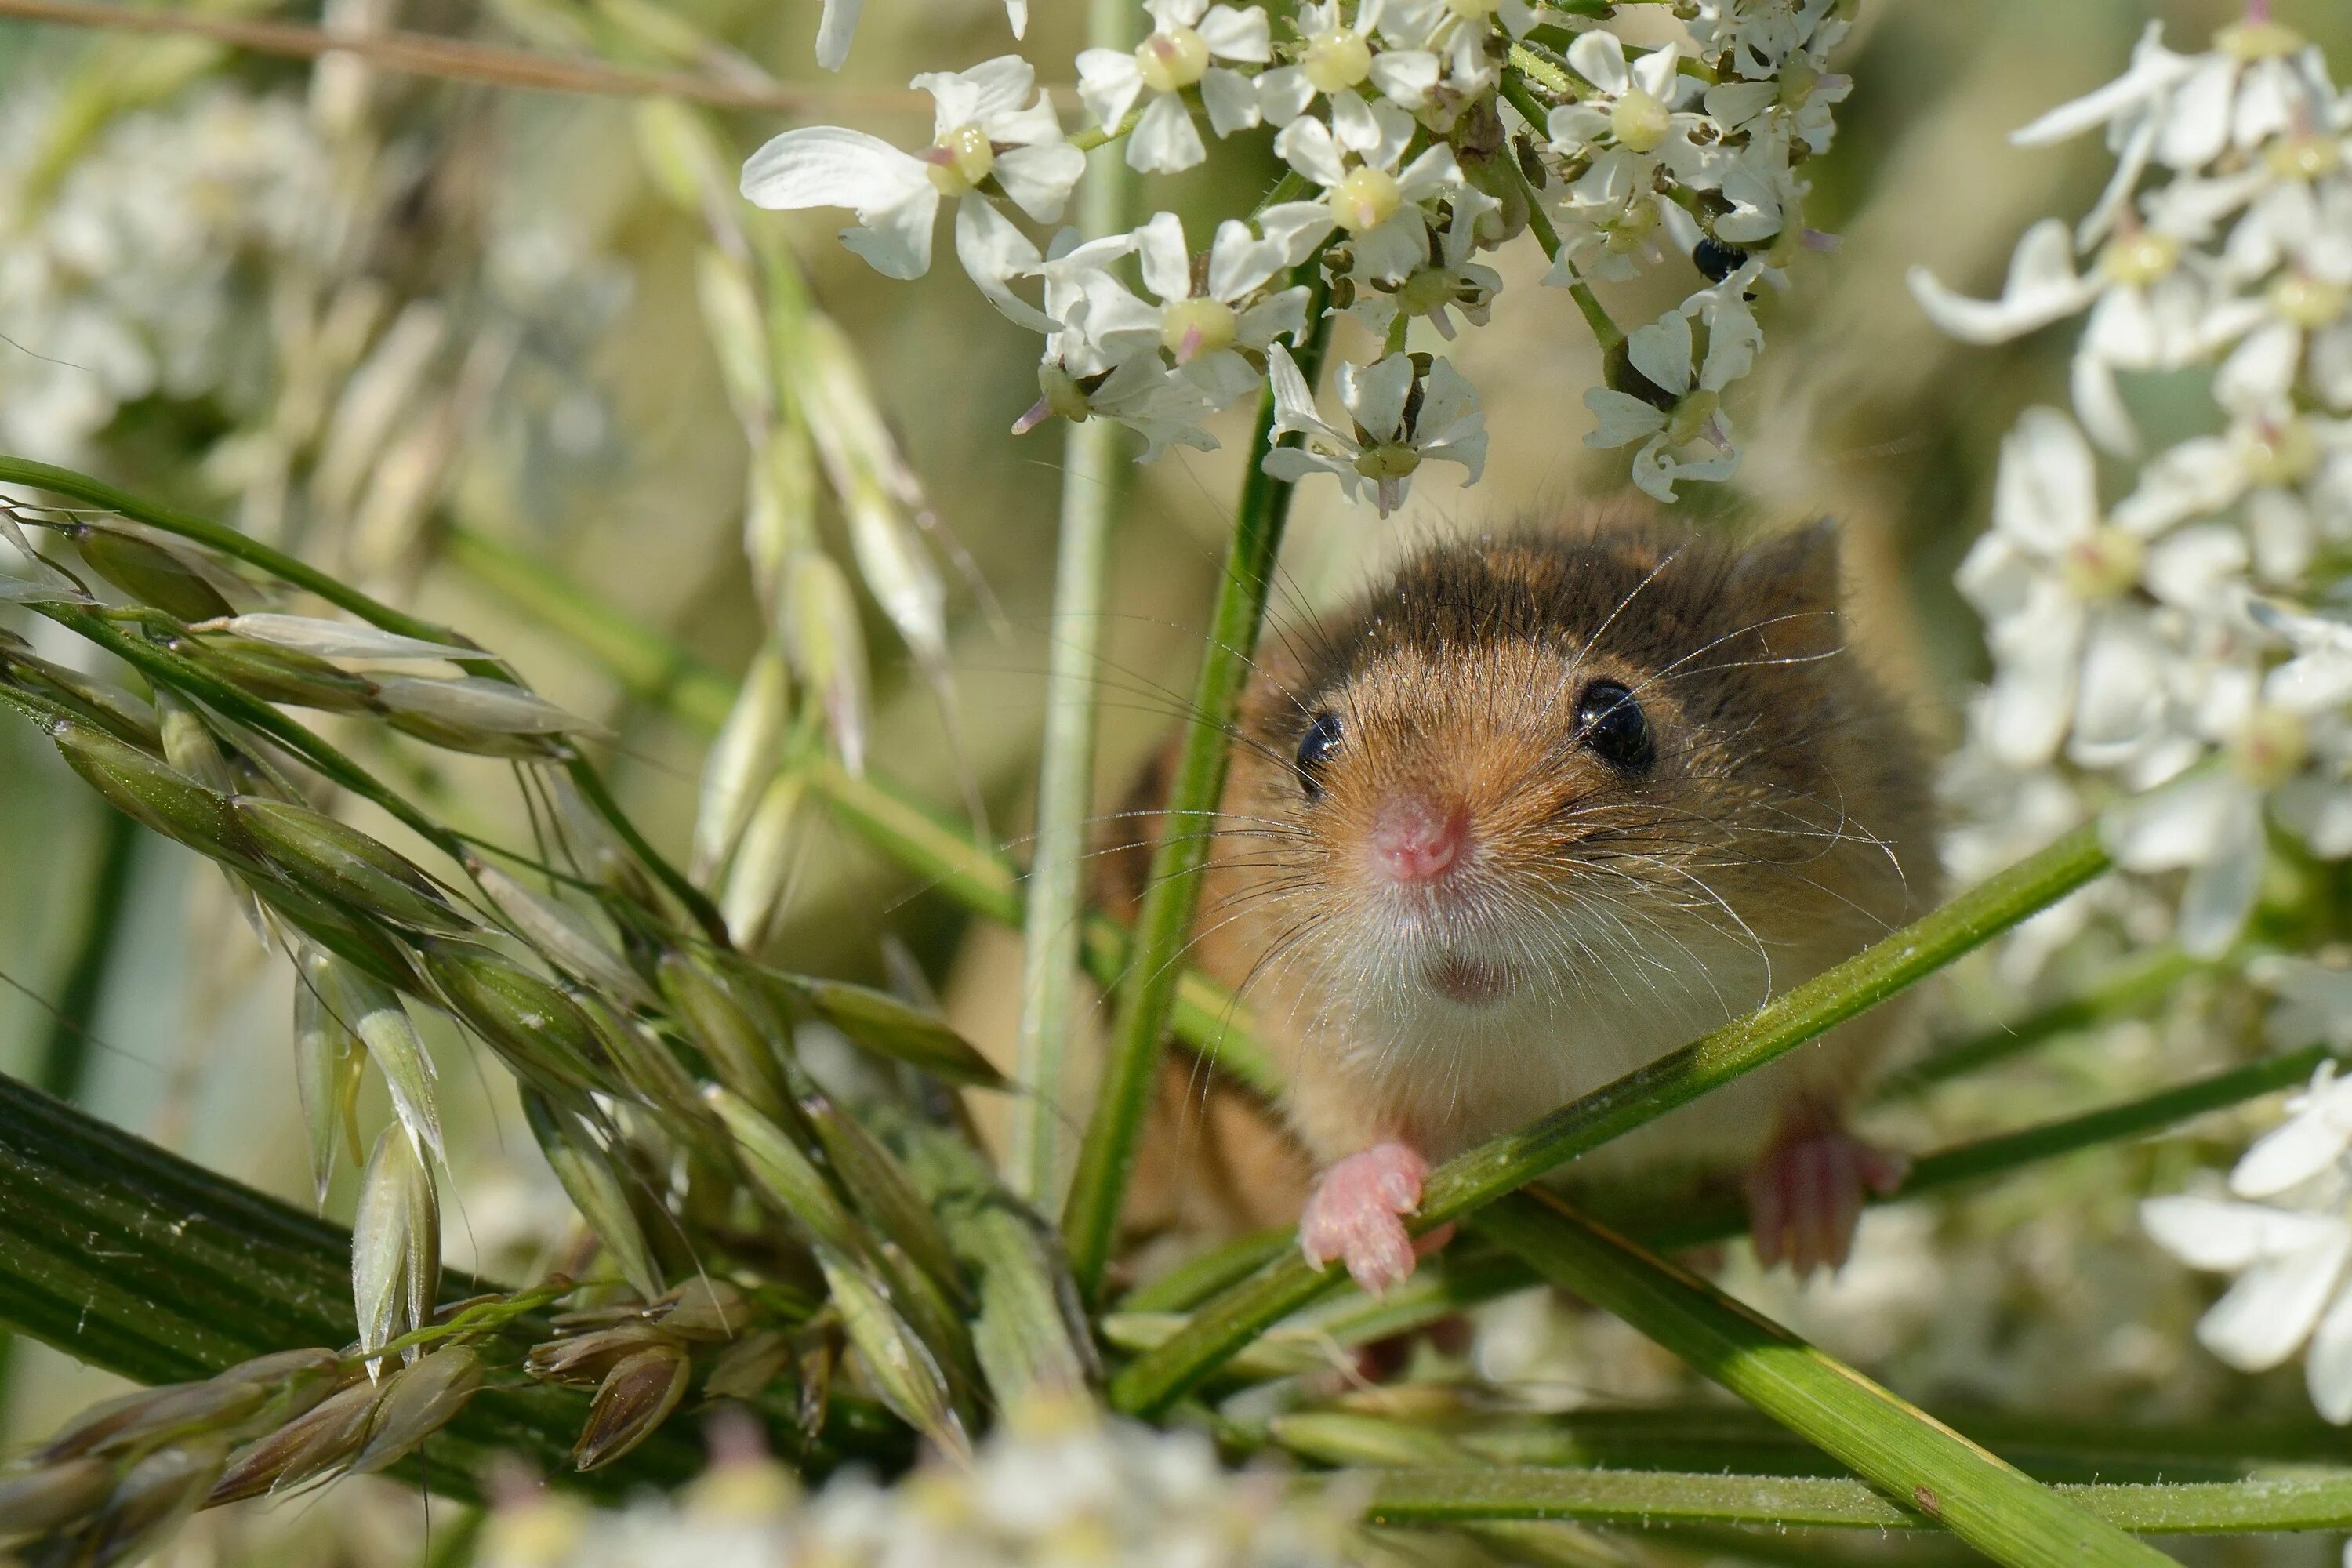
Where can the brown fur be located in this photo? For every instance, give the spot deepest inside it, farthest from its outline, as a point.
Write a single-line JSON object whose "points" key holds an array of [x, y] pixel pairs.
{"points": [[1784, 825]]}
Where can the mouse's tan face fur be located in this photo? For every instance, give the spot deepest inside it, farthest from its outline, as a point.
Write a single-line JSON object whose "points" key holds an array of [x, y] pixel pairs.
{"points": [[1481, 844]]}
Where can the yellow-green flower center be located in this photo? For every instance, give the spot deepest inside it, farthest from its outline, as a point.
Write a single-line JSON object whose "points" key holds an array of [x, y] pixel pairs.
{"points": [[1797, 80], [2306, 301], [2270, 749], [2141, 257], [1630, 229], [1690, 416], [1172, 60], [1388, 462], [2284, 453], [1639, 121], [2258, 40], [961, 160], [1192, 328], [1337, 60], [1366, 198], [2303, 157], [2103, 563], [1426, 290]]}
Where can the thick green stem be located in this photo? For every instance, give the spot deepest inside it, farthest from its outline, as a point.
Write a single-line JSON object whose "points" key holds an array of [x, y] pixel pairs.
{"points": [[1052, 920], [68, 1051], [1926, 1466], [1454, 1496], [1462, 1185], [1147, 990]]}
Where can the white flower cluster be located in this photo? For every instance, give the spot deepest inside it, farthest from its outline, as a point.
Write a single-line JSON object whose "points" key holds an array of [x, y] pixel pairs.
{"points": [[122, 283], [1417, 135], [1056, 1483], [2194, 610]]}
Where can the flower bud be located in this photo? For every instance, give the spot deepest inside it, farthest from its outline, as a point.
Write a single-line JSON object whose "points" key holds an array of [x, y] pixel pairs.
{"points": [[878, 1022], [594, 1182], [188, 744], [635, 1397], [277, 674], [903, 1370], [1366, 198], [154, 793], [827, 646], [648, 1065], [338, 639], [449, 737], [884, 1192], [703, 1309], [740, 1055], [478, 702], [763, 857], [535, 1028], [395, 1245], [416, 1404], [151, 1502], [1337, 59], [562, 934], [747, 1368], [342, 864], [320, 1440], [786, 1177], [153, 574], [741, 760], [52, 1495], [372, 1011], [1173, 60], [587, 1358]]}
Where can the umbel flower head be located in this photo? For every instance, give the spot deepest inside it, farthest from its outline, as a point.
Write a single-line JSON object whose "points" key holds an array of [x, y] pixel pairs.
{"points": [[991, 133], [1401, 409]]}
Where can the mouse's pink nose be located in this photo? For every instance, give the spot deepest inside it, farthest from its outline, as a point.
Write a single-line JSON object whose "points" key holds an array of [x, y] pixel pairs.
{"points": [[1415, 840]]}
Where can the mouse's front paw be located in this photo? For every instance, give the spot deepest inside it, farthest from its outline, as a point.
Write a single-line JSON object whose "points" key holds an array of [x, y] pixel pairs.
{"points": [[1805, 1194], [1355, 1214]]}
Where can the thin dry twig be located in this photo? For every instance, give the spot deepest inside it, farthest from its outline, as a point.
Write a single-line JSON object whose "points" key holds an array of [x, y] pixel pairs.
{"points": [[458, 59]]}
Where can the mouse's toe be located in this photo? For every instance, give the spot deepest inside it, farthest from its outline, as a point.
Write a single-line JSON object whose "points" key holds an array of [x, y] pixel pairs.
{"points": [[1805, 1194], [1355, 1215]]}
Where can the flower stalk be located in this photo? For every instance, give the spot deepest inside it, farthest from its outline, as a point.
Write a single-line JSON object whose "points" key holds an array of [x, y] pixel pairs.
{"points": [[1053, 915], [1148, 988]]}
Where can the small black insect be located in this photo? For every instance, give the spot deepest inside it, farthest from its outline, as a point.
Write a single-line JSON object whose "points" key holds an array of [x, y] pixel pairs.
{"points": [[1610, 725], [1315, 750], [1716, 260]]}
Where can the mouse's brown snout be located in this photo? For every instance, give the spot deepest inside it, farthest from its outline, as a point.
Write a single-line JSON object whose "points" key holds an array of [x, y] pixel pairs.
{"points": [[1416, 839]]}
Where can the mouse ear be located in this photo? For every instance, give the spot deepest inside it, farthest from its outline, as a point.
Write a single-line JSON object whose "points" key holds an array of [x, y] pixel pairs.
{"points": [[1793, 580]]}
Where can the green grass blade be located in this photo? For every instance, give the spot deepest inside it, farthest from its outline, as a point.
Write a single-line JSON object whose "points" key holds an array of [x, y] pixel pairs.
{"points": [[1147, 990], [1902, 1451], [1155, 1381]]}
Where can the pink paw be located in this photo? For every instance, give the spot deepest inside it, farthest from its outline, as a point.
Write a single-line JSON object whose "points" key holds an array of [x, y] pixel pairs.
{"points": [[1804, 1195], [1356, 1212]]}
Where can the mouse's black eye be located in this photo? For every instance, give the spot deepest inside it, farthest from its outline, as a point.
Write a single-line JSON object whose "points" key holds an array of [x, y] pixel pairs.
{"points": [[1611, 724], [1315, 750]]}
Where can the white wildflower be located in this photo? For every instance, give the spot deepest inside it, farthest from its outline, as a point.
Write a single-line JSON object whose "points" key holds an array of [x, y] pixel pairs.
{"points": [[1379, 205], [1338, 58], [1189, 38], [2290, 1292], [992, 130], [1400, 414], [1207, 331], [1690, 438]]}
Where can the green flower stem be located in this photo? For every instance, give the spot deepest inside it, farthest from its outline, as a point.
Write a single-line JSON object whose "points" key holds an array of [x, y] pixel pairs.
{"points": [[68, 1051], [1925, 1465], [1452, 1495], [2138, 987], [1147, 990], [1462, 1185], [127, 1256], [1516, 92], [1208, 1018], [287, 568], [1464, 1277], [1052, 919]]}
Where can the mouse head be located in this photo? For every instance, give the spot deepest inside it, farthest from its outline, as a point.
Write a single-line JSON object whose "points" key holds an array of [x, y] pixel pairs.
{"points": [[1527, 764]]}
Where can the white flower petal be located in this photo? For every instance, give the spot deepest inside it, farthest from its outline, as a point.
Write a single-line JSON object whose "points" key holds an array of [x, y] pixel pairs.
{"points": [[896, 241], [1375, 394], [1405, 76], [2221, 891], [994, 252], [2227, 1237], [827, 166], [1165, 257], [835, 28], [1040, 179], [2154, 70], [1237, 35], [2275, 1304], [1299, 227], [2327, 1362], [1599, 57], [1662, 351], [2046, 490], [2181, 824], [1619, 418], [1239, 261], [2042, 288], [1283, 94], [1231, 100], [1165, 141], [1108, 80], [1293, 400], [1307, 145]]}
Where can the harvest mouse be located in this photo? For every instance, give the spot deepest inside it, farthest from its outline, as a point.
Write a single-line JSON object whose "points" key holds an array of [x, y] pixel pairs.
{"points": [[1540, 808]]}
